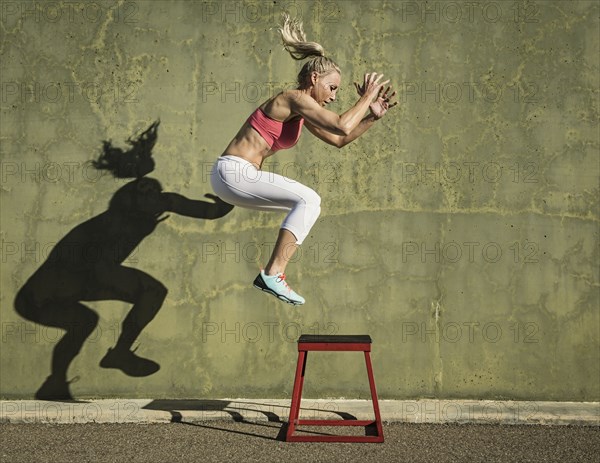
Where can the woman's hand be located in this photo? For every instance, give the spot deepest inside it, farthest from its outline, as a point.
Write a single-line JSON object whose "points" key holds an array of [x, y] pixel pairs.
{"points": [[371, 85], [380, 101], [381, 105]]}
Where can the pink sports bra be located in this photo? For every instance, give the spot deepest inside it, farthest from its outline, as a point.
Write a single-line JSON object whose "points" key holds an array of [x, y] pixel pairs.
{"points": [[278, 135]]}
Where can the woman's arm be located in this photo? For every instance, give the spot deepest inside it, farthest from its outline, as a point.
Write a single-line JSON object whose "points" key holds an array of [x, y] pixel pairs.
{"points": [[329, 121], [340, 141], [378, 109]]}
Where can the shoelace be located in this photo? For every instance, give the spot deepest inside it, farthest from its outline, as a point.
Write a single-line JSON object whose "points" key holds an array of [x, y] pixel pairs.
{"points": [[282, 279]]}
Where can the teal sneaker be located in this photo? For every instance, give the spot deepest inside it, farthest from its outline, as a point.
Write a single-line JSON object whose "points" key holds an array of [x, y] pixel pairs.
{"points": [[278, 287]]}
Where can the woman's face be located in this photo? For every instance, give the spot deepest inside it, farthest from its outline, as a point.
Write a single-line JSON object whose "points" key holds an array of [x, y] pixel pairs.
{"points": [[325, 87]]}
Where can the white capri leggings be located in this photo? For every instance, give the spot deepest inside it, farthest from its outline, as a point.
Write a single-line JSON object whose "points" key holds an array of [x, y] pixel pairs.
{"points": [[238, 182]]}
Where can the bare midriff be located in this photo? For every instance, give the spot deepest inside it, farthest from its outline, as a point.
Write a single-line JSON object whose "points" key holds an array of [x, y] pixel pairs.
{"points": [[249, 145]]}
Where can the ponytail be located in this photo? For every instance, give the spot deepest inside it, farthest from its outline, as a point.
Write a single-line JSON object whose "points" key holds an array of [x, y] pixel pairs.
{"points": [[294, 41]]}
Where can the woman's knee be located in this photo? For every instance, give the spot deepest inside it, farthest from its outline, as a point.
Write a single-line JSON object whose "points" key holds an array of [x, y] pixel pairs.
{"points": [[311, 199], [314, 205]]}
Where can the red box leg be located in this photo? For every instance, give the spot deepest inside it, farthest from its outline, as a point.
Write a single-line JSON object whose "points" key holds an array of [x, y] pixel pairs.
{"points": [[297, 394], [374, 398]]}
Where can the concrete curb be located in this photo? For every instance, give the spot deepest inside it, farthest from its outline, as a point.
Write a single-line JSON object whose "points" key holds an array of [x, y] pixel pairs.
{"points": [[392, 411]]}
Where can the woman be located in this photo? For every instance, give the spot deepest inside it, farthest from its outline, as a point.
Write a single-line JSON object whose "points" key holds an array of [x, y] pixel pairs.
{"points": [[236, 176]]}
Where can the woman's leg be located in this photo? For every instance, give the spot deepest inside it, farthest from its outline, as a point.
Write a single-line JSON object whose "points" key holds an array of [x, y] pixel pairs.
{"points": [[239, 183], [284, 250], [272, 278]]}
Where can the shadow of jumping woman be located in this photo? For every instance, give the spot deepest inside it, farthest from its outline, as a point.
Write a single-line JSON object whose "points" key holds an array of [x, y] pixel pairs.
{"points": [[87, 265]]}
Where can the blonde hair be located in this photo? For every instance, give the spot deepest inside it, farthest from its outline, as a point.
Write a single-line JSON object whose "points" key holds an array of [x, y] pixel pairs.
{"points": [[294, 41]]}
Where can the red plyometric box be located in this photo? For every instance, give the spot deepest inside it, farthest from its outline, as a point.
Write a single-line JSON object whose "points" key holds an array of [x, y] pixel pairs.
{"points": [[338, 343]]}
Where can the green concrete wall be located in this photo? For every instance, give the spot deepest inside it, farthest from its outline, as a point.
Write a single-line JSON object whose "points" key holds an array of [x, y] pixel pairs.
{"points": [[460, 232]]}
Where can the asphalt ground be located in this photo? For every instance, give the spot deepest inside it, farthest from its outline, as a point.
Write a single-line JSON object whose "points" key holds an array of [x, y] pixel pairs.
{"points": [[227, 441]]}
